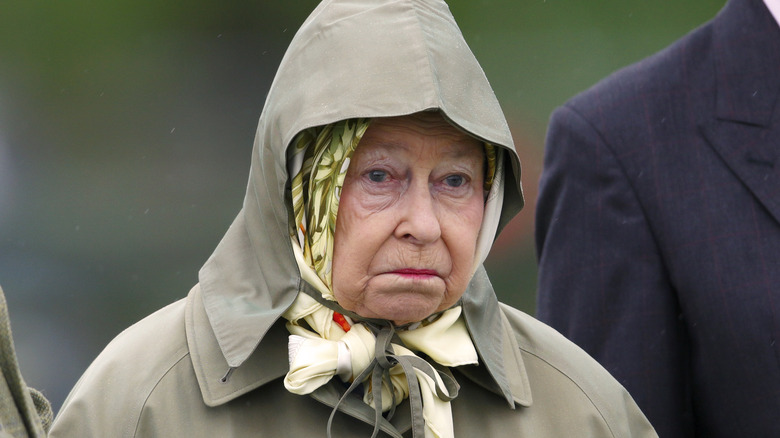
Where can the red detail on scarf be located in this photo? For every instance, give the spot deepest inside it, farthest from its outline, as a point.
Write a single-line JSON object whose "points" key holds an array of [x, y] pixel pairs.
{"points": [[341, 321]]}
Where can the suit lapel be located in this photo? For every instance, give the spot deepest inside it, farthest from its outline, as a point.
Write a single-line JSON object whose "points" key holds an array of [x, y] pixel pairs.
{"points": [[745, 128], [751, 152]]}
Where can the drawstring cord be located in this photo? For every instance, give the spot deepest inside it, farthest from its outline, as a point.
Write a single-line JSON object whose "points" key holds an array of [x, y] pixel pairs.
{"points": [[379, 369], [227, 375]]}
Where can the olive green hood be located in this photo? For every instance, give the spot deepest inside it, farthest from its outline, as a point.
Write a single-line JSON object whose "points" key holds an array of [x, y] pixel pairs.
{"points": [[350, 58]]}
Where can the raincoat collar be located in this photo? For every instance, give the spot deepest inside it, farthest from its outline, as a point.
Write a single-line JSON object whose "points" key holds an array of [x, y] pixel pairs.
{"points": [[501, 368]]}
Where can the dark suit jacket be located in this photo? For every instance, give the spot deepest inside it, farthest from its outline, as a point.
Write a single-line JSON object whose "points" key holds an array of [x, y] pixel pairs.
{"points": [[658, 227]]}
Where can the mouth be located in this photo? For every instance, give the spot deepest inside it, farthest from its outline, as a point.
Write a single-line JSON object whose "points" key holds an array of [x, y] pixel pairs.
{"points": [[415, 273]]}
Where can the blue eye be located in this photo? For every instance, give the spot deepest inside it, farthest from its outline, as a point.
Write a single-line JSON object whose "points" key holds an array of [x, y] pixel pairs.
{"points": [[455, 180], [377, 175]]}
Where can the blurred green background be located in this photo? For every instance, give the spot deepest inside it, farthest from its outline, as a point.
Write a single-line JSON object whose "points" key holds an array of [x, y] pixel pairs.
{"points": [[126, 129]]}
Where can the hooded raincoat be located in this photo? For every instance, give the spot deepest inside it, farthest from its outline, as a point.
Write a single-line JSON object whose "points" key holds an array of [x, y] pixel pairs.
{"points": [[212, 364]]}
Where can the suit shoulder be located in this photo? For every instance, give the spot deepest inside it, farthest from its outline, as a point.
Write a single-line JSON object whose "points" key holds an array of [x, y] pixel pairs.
{"points": [[676, 69]]}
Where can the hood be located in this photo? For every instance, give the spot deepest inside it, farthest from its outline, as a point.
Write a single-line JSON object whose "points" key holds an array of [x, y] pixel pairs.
{"points": [[350, 58]]}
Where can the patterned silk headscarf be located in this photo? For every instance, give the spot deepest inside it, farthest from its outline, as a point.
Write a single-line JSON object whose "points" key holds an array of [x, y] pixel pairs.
{"points": [[324, 343], [324, 154]]}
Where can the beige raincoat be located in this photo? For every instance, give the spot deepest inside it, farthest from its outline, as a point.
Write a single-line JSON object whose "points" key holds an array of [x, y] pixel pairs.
{"points": [[211, 365]]}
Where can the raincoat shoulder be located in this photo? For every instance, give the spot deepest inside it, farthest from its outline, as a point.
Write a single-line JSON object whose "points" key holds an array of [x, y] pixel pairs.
{"points": [[165, 376], [111, 396]]}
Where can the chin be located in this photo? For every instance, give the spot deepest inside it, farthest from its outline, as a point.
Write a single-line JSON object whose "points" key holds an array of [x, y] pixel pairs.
{"points": [[404, 311], [397, 316]]}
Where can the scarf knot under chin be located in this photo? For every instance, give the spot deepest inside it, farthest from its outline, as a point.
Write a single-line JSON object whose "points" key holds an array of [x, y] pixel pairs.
{"points": [[380, 357]]}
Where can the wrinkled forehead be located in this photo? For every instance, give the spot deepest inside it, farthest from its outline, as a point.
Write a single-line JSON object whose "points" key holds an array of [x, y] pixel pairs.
{"points": [[425, 122], [422, 133]]}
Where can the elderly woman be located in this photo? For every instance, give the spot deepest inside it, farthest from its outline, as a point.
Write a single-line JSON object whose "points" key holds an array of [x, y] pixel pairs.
{"points": [[348, 298]]}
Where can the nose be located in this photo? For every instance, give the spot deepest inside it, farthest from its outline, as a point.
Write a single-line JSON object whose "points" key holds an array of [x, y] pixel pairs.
{"points": [[419, 220]]}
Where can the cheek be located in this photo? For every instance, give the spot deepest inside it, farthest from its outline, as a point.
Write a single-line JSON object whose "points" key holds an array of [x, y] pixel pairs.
{"points": [[356, 228], [466, 221], [461, 239], [356, 241], [344, 272]]}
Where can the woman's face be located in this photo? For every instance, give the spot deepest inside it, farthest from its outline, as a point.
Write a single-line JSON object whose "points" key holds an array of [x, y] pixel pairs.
{"points": [[410, 211]]}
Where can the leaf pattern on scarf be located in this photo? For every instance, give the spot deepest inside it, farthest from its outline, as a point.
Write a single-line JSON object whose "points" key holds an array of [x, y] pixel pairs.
{"points": [[316, 188], [491, 161]]}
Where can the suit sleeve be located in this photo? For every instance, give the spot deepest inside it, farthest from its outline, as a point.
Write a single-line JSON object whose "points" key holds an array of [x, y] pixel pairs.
{"points": [[602, 280]]}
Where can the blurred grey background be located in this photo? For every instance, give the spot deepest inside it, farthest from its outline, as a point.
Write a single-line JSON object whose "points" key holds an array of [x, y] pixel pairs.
{"points": [[126, 129]]}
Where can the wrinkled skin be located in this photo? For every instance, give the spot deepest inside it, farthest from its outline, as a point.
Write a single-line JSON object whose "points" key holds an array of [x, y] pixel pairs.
{"points": [[409, 215]]}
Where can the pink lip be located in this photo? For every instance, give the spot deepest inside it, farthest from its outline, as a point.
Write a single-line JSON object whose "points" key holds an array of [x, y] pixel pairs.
{"points": [[415, 272]]}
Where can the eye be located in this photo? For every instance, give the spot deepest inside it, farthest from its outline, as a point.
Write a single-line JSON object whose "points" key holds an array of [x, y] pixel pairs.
{"points": [[455, 180], [377, 175]]}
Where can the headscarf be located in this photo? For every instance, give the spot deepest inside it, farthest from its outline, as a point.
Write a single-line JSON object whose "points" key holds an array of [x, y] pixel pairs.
{"points": [[324, 341]]}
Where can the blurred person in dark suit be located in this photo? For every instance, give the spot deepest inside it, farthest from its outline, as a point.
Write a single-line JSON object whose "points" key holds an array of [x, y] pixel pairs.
{"points": [[658, 227]]}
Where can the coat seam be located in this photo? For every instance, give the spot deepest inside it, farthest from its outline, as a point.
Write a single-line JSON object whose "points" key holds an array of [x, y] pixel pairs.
{"points": [[575, 383], [151, 391], [427, 52]]}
